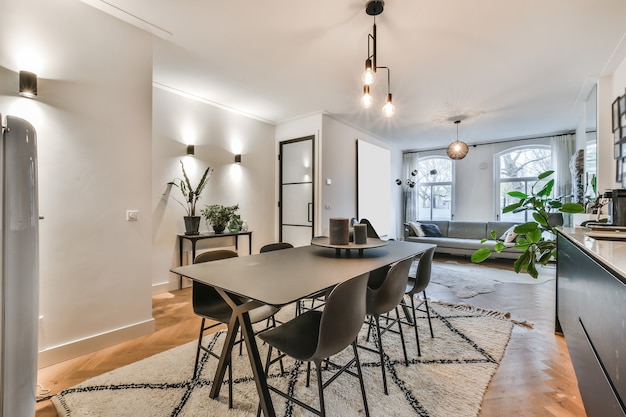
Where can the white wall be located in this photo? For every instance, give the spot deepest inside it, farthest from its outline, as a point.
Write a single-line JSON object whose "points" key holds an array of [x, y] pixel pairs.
{"points": [[217, 135], [93, 118], [474, 179], [339, 164]]}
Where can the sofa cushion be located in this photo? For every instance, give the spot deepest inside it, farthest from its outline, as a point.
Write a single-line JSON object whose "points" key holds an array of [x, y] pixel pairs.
{"points": [[499, 227], [467, 230], [431, 230], [509, 235], [415, 229]]}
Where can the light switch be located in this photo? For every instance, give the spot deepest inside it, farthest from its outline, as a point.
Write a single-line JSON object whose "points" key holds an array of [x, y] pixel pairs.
{"points": [[131, 215], [329, 181]]}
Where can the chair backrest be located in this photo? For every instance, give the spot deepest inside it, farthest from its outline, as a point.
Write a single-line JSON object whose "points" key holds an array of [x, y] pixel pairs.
{"points": [[203, 295], [275, 246], [386, 297], [371, 232], [424, 266], [342, 317]]}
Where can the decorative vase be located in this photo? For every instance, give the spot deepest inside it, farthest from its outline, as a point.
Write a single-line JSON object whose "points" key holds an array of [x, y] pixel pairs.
{"points": [[192, 224], [244, 226], [219, 228], [234, 227]]}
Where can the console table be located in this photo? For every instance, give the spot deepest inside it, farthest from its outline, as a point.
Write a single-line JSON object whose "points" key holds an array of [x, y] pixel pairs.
{"points": [[208, 235]]}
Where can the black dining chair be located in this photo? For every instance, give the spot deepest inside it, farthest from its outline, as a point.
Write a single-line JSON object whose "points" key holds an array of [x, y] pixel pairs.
{"points": [[210, 306], [315, 336], [382, 298], [371, 232], [270, 247], [275, 246], [418, 284]]}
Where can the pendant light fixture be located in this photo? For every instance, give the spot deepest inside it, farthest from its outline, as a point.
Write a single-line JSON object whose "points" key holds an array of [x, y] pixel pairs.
{"points": [[457, 149], [374, 8]]}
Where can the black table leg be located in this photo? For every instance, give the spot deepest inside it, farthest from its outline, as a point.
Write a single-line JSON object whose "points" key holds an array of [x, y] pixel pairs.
{"points": [[180, 261], [242, 318], [225, 356]]}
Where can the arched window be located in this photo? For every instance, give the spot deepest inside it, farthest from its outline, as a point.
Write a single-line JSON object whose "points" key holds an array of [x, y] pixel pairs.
{"points": [[517, 170], [434, 188]]}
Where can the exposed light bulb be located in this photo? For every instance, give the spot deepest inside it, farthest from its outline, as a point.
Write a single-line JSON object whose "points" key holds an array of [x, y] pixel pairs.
{"points": [[367, 100], [389, 109], [369, 75]]}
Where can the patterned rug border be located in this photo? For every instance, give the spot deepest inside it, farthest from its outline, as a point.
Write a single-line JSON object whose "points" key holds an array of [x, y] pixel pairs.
{"points": [[446, 316]]}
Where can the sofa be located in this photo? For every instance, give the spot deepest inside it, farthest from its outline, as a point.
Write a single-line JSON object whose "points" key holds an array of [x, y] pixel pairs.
{"points": [[463, 238]]}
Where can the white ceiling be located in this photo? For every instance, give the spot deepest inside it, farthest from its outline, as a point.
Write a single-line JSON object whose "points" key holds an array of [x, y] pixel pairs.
{"points": [[507, 69]]}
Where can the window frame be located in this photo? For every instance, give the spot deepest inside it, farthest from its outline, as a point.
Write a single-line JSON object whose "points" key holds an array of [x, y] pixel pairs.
{"points": [[418, 184], [498, 181]]}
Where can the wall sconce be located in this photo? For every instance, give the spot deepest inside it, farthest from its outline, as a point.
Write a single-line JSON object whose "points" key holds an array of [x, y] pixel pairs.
{"points": [[238, 158], [191, 150], [28, 84]]}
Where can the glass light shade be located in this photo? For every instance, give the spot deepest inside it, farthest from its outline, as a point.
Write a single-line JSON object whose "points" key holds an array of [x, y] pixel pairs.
{"points": [[369, 75], [367, 100], [389, 109], [457, 150]]}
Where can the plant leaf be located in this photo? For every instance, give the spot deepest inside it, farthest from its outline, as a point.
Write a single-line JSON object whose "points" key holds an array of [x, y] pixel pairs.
{"points": [[511, 207], [480, 255], [572, 208], [525, 228], [545, 174], [517, 194]]}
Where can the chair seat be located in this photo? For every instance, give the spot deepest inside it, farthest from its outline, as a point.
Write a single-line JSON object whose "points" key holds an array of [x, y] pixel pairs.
{"points": [[298, 337]]}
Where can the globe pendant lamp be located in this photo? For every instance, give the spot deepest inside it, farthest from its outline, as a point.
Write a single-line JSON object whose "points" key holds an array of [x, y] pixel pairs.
{"points": [[457, 149]]}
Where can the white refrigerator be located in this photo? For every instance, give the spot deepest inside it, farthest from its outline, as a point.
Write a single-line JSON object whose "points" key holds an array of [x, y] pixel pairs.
{"points": [[19, 262]]}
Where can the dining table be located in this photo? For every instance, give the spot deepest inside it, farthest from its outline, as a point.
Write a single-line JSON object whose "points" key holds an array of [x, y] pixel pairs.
{"points": [[279, 278]]}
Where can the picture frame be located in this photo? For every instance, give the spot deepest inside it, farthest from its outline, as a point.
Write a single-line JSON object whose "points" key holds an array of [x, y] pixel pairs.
{"points": [[615, 107], [618, 134], [622, 112]]}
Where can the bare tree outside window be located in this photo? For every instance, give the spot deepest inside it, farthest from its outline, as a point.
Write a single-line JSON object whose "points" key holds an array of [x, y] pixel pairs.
{"points": [[517, 171], [434, 188]]}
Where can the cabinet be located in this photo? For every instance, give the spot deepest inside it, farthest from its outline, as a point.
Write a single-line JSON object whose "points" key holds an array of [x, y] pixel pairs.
{"points": [[591, 312]]}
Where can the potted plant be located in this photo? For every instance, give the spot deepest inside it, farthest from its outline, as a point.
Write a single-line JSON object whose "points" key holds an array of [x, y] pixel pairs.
{"points": [[218, 216], [191, 195], [536, 239], [236, 223]]}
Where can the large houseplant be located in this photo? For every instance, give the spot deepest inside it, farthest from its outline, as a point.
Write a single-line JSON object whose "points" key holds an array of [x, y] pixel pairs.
{"points": [[191, 195], [537, 238], [218, 216]]}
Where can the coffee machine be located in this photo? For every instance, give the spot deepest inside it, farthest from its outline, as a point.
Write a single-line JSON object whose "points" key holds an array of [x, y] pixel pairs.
{"points": [[617, 207]]}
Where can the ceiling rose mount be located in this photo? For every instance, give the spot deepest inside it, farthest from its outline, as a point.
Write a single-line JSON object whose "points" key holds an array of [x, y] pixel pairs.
{"points": [[375, 7]]}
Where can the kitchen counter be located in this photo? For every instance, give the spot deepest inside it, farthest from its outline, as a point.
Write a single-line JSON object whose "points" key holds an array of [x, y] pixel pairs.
{"points": [[591, 313]]}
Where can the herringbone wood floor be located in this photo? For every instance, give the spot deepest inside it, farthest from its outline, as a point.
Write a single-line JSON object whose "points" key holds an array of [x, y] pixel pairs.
{"points": [[535, 377]]}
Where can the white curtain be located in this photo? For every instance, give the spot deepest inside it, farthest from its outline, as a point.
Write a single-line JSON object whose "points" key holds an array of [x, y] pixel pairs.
{"points": [[563, 147], [409, 195]]}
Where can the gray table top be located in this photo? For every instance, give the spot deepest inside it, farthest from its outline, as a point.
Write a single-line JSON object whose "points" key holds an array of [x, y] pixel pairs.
{"points": [[284, 276]]}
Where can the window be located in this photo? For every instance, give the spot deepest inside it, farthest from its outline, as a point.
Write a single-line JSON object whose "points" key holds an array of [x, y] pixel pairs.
{"points": [[434, 188], [517, 170]]}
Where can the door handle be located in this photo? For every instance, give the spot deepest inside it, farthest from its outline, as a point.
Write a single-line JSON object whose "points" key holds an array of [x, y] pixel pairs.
{"points": [[310, 212]]}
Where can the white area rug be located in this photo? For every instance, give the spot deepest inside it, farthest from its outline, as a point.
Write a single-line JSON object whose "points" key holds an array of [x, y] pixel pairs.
{"points": [[468, 280], [449, 379]]}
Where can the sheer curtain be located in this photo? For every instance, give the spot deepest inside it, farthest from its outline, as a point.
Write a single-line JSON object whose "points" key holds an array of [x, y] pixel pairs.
{"points": [[563, 147], [409, 195]]}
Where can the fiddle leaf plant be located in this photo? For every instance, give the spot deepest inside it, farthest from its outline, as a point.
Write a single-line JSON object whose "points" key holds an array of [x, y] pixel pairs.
{"points": [[537, 238], [191, 194]]}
